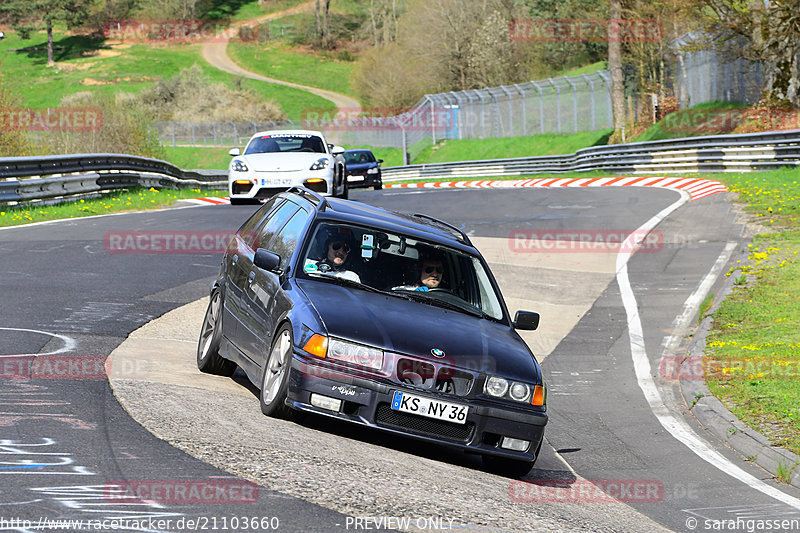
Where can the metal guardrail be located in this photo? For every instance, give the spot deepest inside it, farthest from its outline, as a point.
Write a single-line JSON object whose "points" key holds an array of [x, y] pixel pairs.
{"points": [[70, 175], [716, 153]]}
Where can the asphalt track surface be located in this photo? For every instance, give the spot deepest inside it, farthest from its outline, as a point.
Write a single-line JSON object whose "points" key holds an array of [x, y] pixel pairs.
{"points": [[65, 443]]}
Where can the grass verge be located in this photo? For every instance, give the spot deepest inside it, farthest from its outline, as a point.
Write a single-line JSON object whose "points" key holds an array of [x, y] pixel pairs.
{"points": [[118, 201], [753, 350]]}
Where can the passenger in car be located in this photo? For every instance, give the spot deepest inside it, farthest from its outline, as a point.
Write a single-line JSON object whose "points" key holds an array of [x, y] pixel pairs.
{"points": [[335, 261]]}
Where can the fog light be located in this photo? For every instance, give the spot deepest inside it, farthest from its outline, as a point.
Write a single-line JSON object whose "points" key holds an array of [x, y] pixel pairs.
{"points": [[518, 445], [325, 402]]}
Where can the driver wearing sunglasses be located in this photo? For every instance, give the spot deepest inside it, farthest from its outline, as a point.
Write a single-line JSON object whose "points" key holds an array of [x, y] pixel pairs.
{"points": [[337, 253]]}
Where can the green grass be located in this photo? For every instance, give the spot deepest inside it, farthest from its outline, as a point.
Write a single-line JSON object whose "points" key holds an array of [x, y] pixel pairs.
{"points": [[586, 69], [709, 118], [114, 202], [130, 70], [753, 351], [278, 60], [247, 9], [473, 149]]}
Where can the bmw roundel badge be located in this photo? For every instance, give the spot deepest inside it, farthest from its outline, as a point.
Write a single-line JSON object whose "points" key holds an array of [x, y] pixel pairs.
{"points": [[436, 352]]}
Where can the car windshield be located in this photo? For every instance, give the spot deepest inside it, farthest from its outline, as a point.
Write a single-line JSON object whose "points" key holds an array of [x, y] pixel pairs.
{"points": [[401, 266], [275, 142], [352, 158]]}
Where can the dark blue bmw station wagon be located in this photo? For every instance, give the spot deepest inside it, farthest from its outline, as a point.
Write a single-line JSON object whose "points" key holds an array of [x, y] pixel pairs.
{"points": [[388, 320]]}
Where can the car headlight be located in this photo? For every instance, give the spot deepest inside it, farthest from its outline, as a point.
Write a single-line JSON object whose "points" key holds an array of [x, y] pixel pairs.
{"points": [[355, 354], [515, 390], [373, 170], [319, 164], [496, 387], [239, 166]]}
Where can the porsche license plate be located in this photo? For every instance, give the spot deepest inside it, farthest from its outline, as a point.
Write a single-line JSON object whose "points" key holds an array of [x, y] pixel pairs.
{"points": [[419, 405], [276, 182]]}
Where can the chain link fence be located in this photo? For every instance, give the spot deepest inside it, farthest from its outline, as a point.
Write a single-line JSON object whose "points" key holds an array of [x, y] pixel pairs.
{"points": [[569, 104], [712, 74], [219, 134]]}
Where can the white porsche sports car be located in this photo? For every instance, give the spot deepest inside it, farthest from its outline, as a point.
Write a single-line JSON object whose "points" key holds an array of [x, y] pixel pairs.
{"points": [[276, 160]]}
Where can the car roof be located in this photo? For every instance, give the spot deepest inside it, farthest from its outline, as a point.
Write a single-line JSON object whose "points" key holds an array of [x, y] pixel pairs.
{"points": [[417, 225]]}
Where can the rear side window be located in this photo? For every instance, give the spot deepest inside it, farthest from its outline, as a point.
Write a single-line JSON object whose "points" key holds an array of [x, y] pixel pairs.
{"points": [[286, 240], [248, 230], [273, 224]]}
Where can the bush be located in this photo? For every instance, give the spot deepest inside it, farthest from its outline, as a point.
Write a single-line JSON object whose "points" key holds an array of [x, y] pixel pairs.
{"points": [[13, 141], [125, 129], [192, 97]]}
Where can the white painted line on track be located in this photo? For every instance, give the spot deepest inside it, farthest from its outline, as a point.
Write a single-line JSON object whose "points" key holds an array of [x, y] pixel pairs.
{"points": [[69, 342], [675, 425]]}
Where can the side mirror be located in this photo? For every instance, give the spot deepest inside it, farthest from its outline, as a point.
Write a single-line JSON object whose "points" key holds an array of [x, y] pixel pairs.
{"points": [[526, 320], [380, 161], [234, 152], [337, 150], [266, 260]]}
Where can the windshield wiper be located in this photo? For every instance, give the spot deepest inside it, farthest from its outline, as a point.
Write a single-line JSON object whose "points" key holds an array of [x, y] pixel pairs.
{"points": [[346, 281], [420, 296]]}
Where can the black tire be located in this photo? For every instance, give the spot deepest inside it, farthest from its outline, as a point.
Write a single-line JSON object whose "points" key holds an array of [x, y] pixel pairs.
{"points": [[345, 187], [378, 186], [208, 358], [507, 467], [275, 376], [239, 201]]}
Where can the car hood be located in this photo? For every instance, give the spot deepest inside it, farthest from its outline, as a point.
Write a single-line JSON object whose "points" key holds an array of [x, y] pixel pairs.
{"points": [[413, 328], [287, 161]]}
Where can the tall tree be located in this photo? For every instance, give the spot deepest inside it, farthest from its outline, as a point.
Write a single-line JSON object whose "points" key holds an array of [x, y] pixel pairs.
{"points": [[615, 66], [771, 30], [27, 16], [322, 7]]}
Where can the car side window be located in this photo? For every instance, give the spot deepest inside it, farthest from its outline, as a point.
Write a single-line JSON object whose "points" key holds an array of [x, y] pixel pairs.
{"points": [[248, 230], [286, 240], [267, 231]]}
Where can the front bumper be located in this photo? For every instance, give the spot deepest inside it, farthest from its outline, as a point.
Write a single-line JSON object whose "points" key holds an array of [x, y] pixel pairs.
{"points": [[260, 185], [367, 402], [363, 180]]}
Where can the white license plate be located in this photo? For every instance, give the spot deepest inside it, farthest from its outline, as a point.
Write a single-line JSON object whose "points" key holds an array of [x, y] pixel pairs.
{"points": [[276, 182], [418, 405], [355, 178]]}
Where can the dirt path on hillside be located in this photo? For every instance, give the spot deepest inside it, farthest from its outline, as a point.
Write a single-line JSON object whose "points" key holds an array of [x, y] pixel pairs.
{"points": [[216, 54]]}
